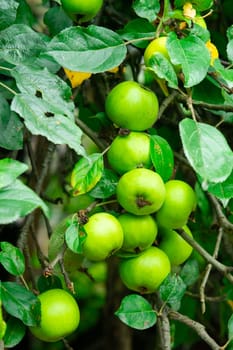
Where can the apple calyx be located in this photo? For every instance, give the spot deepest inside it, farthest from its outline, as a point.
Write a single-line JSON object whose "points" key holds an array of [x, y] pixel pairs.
{"points": [[124, 132], [141, 202]]}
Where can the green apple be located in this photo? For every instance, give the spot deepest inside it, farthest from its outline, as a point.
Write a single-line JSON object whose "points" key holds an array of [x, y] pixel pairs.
{"points": [[86, 9], [157, 45], [60, 315], [104, 236], [129, 151], [146, 271], [132, 106], [180, 201], [141, 191], [139, 231], [176, 248]]}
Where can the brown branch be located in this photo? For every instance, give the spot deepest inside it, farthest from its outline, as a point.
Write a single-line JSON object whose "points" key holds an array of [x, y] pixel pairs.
{"points": [[219, 266], [166, 102], [93, 135], [164, 331], [208, 270], [223, 222], [196, 326], [215, 107]]}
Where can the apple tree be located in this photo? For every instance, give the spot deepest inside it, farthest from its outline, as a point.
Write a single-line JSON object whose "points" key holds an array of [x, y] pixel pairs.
{"points": [[116, 174]]}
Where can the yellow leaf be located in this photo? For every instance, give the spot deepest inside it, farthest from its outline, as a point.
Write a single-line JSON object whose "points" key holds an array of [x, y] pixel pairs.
{"points": [[189, 11], [76, 78], [213, 51]]}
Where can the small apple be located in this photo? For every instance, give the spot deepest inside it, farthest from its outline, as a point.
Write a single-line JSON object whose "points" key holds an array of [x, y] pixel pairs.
{"points": [[132, 106], [139, 232], [146, 271], [129, 151], [60, 315], [180, 201], [141, 191], [158, 46], [85, 9], [104, 236], [176, 248]]}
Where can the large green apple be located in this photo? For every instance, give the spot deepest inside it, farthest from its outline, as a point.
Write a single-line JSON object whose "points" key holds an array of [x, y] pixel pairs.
{"points": [[129, 151], [132, 106], [60, 315], [104, 236], [139, 231], [146, 271], [180, 201], [176, 248], [141, 191], [86, 9]]}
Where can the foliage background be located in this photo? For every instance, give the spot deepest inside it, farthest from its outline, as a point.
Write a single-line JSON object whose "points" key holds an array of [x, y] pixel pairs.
{"points": [[41, 124]]}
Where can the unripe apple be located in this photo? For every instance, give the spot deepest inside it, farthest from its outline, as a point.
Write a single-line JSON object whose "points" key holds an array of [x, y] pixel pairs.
{"points": [[139, 231], [176, 248], [180, 201], [146, 271], [104, 236], [60, 315], [141, 191], [132, 106], [129, 151]]}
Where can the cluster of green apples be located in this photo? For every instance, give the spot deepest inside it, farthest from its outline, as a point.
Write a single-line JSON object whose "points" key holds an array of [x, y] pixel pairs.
{"points": [[143, 232]]}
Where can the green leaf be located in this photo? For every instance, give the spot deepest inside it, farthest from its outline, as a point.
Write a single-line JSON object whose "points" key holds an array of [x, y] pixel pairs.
{"points": [[42, 118], [172, 291], [190, 272], [50, 282], [20, 303], [230, 332], [106, 186], [73, 238], [47, 87], [222, 190], [11, 127], [136, 29], [147, 8], [226, 75], [57, 20], [207, 150], [93, 49], [136, 312], [86, 173], [161, 66], [14, 333], [10, 169], [20, 44], [8, 10], [18, 200], [193, 56], [57, 238], [161, 156], [24, 14], [12, 259]]}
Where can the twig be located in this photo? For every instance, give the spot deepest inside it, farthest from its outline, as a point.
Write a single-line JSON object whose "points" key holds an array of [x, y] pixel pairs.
{"points": [[216, 107], [66, 344], [223, 222], [164, 330], [93, 135], [208, 270], [219, 266], [166, 102], [197, 327]]}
